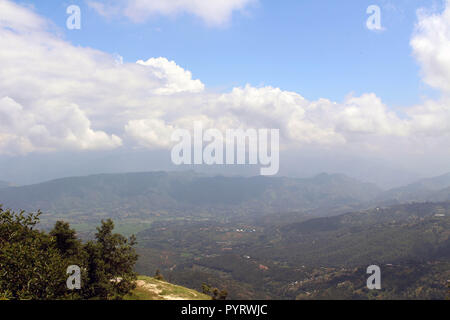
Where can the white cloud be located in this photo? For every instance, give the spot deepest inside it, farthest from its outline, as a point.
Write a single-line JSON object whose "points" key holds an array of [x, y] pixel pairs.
{"points": [[150, 133], [431, 45], [56, 96], [72, 94], [431, 119], [212, 12], [47, 129], [103, 9], [368, 115], [22, 20], [175, 78]]}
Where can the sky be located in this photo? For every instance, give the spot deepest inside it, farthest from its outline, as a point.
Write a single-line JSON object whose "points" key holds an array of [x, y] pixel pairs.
{"points": [[301, 46], [346, 98]]}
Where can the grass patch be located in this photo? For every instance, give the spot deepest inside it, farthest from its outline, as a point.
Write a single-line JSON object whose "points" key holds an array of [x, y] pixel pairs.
{"points": [[151, 289]]}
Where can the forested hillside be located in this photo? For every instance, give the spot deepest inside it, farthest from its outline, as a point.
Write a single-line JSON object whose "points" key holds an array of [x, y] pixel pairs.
{"points": [[261, 261], [431, 189], [260, 238], [138, 198]]}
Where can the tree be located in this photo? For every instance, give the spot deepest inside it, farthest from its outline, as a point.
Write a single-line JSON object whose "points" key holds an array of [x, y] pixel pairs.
{"points": [[111, 260], [158, 275], [33, 263], [215, 293], [31, 266], [66, 239]]}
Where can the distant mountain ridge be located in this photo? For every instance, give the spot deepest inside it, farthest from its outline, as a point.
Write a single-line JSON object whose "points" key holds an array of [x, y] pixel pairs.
{"points": [[436, 189], [149, 196], [136, 195]]}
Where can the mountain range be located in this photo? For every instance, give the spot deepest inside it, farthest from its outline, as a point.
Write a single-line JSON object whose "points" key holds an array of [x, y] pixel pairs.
{"points": [[155, 195], [436, 189], [264, 237], [149, 196]]}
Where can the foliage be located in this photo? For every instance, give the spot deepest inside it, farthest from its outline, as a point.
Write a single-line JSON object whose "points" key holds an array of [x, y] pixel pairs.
{"points": [[111, 259], [260, 259], [30, 264], [134, 199], [159, 276], [215, 293], [33, 263]]}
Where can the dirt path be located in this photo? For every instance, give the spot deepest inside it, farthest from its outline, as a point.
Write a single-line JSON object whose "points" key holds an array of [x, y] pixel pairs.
{"points": [[148, 286], [158, 290]]}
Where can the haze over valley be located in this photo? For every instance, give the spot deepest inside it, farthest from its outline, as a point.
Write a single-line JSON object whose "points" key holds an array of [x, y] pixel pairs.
{"points": [[264, 237]]}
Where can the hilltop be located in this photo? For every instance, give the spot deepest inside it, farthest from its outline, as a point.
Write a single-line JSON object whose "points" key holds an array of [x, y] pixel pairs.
{"points": [[436, 189], [149, 288]]}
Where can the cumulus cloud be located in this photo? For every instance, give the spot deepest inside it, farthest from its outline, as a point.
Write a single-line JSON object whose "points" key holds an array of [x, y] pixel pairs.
{"points": [[212, 12], [175, 78], [150, 133], [52, 128], [431, 45], [22, 20], [69, 96], [55, 96]]}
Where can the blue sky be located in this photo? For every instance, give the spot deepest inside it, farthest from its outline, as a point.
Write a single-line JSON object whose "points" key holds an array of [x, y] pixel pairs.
{"points": [[315, 48]]}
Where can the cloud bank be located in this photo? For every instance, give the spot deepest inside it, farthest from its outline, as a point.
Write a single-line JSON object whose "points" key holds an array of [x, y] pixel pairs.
{"points": [[55, 96]]}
